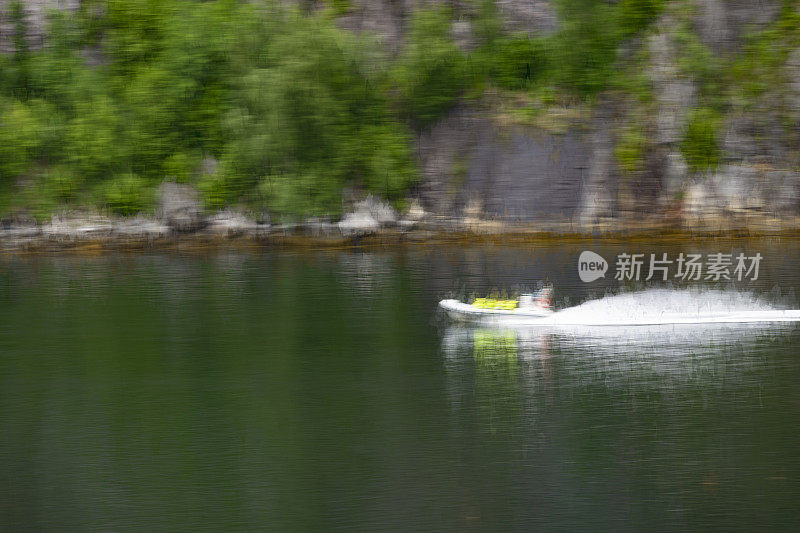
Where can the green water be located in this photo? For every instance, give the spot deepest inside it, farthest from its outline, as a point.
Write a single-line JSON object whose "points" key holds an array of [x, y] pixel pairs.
{"points": [[281, 391]]}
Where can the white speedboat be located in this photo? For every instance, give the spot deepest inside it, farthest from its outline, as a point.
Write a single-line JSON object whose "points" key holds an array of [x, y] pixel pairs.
{"points": [[655, 307], [529, 306]]}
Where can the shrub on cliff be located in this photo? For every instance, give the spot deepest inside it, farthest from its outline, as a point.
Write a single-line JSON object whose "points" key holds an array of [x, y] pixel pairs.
{"points": [[630, 149], [516, 61], [700, 146]]}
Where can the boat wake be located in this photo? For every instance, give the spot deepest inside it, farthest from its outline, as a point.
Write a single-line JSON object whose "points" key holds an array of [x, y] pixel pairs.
{"points": [[670, 306]]}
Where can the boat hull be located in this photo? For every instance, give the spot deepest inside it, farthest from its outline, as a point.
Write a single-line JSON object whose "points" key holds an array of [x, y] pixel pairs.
{"points": [[463, 312]]}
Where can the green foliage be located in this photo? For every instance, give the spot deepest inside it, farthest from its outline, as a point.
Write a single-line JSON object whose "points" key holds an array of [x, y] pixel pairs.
{"points": [[180, 166], [293, 108], [585, 46], [516, 61], [579, 59], [760, 66], [15, 72], [34, 200], [148, 106], [431, 70], [700, 146], [93, 143], [161, 90], [61, 183], [630, 149], [223, 186], [45, 193], [314, 121], [133, 32], [636, 15], [20, 138], [634, 78], [487, 24], [301, 193], [390, 170], [340, 7], [126, 194], [707, 69]]}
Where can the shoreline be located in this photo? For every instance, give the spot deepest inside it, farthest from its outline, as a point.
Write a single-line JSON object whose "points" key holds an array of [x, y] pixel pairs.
{"points": [[141, 234]]}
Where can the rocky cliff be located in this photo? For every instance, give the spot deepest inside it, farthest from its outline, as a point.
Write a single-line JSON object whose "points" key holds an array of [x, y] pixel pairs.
{"points": [[726, 71], [528, 172]]}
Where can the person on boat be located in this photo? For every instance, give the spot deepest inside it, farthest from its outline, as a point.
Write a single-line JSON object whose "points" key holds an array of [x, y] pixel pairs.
{"points": [[543, 297], [540, 299]]}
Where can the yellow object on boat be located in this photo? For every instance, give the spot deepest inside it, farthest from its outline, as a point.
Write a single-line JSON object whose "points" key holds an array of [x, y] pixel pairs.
{"points": [[489, 303]]}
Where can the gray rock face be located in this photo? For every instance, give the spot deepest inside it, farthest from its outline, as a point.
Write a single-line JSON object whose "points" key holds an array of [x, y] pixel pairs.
{"points": [[35, 18], [462, 34], [382, 18], [179, 207], [388, 20], [676, 171], [598, 198], [524, 175], [793, 75], [675, 95], [517, 173], [756, 137], [15, 232], [674, 92], [743, 190], [723, 23], [532, 16], [781, 191]]}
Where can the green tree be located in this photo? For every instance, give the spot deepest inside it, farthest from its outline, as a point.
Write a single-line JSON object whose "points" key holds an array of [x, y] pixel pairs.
{"points": [[15, 73], [126, 194], [635, 15], [315, 120], [431, 70], [517, 61], [585, 46], [92, 138], [20, 138], [133, 31]]}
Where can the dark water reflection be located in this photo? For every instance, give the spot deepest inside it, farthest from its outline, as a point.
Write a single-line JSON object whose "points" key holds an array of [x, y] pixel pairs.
{"points": [[283, 391]]}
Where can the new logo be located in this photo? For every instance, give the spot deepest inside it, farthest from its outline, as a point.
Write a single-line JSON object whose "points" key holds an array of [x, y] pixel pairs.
{"points": [[591, 266]]}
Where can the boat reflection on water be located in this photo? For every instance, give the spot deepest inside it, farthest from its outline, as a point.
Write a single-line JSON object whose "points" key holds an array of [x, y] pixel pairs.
{"points": [[519, 371], [673, 348], [493, 371]]}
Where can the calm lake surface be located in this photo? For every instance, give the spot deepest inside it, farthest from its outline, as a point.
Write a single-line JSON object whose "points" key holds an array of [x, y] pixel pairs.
{"points": [[275, 390]]}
